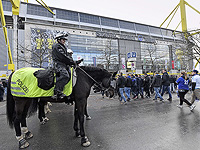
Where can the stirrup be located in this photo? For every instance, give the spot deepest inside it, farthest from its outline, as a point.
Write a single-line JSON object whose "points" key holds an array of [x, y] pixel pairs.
{"points": [[54, 97]]}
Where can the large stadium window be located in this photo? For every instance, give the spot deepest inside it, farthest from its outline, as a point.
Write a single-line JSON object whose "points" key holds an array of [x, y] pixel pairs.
{"points": [[109, 22], [89, 18], [126, 25], [155, 30], [143, 28], [7, 6], [67, 15], [38, 10]]}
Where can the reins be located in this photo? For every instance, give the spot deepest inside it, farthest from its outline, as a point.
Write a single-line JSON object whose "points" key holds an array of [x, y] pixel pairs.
{"points": [[90, 77]]}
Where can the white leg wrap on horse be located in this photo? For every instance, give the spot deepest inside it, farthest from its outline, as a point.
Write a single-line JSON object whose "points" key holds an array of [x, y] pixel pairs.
{"points": [[19, 137], [24, 129]]}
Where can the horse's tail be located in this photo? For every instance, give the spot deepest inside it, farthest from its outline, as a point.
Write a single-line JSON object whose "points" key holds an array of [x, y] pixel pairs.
{"points": [[10, 107]]}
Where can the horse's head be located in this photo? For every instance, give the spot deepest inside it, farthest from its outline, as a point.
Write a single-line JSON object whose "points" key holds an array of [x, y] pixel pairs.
{"points": [[110, 84], [101, 78]]}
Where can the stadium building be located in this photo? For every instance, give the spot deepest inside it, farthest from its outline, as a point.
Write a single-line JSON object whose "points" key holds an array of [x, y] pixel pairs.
{"points": [[101, 41]]}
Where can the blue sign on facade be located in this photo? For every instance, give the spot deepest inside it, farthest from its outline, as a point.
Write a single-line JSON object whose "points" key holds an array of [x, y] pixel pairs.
{"points": [[131, 55], [140, 38]]}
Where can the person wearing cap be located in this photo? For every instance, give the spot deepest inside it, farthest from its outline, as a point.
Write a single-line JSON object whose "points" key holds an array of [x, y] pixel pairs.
{"points": [[70, 53], [195, 86], [62, 62]]}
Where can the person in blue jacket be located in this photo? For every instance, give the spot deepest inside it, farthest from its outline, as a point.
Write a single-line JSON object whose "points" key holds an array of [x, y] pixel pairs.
{"points": [[183, 88]]}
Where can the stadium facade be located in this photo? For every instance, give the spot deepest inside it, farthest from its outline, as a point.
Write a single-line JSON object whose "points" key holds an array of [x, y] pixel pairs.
{"points": [[102, 41]]}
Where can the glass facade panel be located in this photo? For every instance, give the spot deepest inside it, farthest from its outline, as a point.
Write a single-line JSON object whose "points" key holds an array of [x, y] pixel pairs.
{"points": [[155, 57], [126, 25], [7, 6], [167, 32], [109, 22], [95, 51], [38, 11], [67, 15], [155, 30], [143, 28], [89, 18]]}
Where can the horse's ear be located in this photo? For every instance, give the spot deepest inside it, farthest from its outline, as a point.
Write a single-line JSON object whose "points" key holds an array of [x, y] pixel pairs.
{"points": [[114, 74]]}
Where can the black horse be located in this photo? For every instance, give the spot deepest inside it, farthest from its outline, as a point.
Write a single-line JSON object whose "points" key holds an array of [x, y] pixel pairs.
{"points": [[18, 108]]}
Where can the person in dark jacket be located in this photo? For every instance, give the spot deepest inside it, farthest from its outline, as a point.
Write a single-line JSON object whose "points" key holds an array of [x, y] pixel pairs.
{"points": [[127, 87], [62, 62], [165, 84], [1, 91], [172, 80], [121, 84], [139, 87], [133, 86], [146, 85], [156, 83]]}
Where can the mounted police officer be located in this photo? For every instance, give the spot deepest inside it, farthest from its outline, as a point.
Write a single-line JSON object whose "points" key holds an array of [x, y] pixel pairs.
{"points": [[62, 62]]}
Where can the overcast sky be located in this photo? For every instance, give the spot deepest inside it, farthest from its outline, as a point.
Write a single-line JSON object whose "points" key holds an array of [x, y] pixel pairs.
{"points": [[151, 12]]}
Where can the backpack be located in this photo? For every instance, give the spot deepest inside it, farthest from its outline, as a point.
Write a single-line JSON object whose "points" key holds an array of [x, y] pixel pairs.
{"points": [[45, 78]]}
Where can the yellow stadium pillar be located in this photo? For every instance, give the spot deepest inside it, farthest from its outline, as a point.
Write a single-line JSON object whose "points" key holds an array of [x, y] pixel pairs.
{"points": [[183, 15]]}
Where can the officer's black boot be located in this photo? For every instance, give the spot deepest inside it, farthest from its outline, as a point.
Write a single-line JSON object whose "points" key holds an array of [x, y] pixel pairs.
{"points": [[58, 95]]}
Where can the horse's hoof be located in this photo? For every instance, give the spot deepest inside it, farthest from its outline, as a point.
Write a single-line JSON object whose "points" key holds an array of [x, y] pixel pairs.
{"points": [[23, 144], [42, 122], [85, 142], [77, 134], [28, 135], [46, 119], [88, 118], [48, 111]]}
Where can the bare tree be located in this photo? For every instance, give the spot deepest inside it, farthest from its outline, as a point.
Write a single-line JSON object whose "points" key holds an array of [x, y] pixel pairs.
{"points": [[152, 58], [109, 55], [37, 55]]}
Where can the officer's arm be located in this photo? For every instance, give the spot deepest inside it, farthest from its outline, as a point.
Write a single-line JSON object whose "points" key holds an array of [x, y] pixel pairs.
{"points": [[64, 58]]}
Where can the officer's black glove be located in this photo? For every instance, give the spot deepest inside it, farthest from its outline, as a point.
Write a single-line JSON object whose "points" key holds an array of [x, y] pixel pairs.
{"points": [[79, 61]]}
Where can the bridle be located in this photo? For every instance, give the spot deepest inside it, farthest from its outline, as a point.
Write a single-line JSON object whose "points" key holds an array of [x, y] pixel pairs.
{"points": [[97, 83]]}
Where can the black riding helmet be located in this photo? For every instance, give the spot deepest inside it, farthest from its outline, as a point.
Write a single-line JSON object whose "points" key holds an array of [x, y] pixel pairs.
{"points": [[60, 36]]}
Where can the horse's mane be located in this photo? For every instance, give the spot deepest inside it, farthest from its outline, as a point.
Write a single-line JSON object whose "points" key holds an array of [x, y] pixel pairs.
{"points": [[95, 69]]}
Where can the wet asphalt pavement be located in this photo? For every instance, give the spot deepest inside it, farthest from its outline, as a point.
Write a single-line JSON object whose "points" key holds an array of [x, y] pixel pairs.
{"points": [[142, 124]]}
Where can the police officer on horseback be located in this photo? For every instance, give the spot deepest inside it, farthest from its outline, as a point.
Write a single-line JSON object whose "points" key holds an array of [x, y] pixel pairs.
{"points": [[62, 62]]}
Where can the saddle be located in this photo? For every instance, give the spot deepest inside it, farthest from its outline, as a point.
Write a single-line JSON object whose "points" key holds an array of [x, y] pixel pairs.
{"points": [[46, 78]]}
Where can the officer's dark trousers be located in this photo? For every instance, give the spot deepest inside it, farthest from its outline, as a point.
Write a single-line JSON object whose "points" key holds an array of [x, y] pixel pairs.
{"points": [[62, 77]]}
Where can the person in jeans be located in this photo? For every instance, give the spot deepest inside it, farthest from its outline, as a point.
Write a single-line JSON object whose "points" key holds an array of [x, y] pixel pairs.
{"points": [[127, 87], [147, 85], [121, 84], [195, 86], [139, 83], [165, 84], [172, 80], [156, 83], [183, 88]]}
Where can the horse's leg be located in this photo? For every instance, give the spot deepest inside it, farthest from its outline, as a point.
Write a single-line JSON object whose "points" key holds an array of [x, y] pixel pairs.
{"points": [[81, 111], [47, 109], [24, 129], [77, 132], [41, 114], [86, 113], [19, 107]]}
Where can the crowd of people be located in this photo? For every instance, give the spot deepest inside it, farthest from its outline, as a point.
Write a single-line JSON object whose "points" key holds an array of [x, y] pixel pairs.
{"points": [[3, 89], [134, 86]]}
